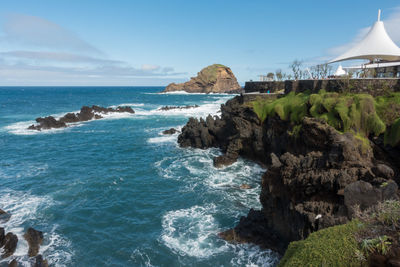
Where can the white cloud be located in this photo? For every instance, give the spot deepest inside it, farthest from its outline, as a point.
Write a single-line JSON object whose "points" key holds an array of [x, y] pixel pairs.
{"points": [[53, 54], [39, 32], [150, 67]]}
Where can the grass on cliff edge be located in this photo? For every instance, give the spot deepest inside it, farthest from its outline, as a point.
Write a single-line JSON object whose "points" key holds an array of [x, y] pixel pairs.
{"points": [[375, 231], [361, 114], [333, 246]]}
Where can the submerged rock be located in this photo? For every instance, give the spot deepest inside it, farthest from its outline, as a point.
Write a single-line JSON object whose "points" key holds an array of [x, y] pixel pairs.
{"points": [[34, 239], [85, 114], [170, 131], [13, 263], [245, 186], [215, 78]]}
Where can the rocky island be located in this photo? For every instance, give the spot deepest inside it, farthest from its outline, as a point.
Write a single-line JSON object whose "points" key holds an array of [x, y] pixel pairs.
{"points": [[333, 162], [85, 114], [215, 78]]}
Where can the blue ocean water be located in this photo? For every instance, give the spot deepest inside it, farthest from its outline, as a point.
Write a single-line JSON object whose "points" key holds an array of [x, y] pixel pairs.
{"points": [[115, 191]]}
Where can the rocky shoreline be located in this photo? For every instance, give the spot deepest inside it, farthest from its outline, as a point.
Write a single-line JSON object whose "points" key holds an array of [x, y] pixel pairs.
{"points": [[9, 242], [85, 114], [316, 175]]}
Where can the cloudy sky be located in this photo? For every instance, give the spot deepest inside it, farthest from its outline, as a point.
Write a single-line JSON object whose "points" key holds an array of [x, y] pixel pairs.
{"points": [[157, 42]]}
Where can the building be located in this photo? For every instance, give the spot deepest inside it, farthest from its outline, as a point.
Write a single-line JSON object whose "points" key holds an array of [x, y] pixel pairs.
{"points": [[381, 53]]}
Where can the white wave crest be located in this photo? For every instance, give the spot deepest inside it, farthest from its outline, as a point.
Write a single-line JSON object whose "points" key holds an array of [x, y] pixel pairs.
{"points": [[191, 232]]}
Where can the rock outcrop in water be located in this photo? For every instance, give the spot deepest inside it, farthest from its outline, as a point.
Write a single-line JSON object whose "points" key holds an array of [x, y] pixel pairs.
{"points": [[315, 174], [9, 242], [166, 108], [215, 78], [86, 113]]}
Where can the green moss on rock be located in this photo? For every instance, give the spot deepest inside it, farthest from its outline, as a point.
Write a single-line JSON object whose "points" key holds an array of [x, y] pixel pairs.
{"points": [[209, 74], [361, 114], [333, 246]]}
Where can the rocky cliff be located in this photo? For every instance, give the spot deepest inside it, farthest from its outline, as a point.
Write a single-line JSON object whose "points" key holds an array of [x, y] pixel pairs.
{"points": [[316, 174], [215, 78]]}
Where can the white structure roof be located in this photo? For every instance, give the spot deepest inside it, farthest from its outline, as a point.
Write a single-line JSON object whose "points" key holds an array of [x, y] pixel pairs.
{"points": [[375, 45], [375, 65], [340, 71]]}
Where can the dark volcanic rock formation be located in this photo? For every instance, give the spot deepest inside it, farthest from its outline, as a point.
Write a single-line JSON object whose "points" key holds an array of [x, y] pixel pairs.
{"points": [[40, 262], [34, 239], [215, 78], [86, 113], [10, 245], [315, 174], [170, 131], [4, 216]]}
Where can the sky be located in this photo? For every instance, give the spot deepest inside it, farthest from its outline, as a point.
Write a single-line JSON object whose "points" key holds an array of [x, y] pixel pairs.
{"points": [[155, 42]]}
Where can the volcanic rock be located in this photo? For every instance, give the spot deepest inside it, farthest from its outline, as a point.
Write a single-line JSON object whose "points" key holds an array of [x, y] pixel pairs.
{"points": [[314, 178], [34, 239], [40, 262], [170, 131], [85, 114], [13, 263], [4, 216], [215, 78], [2, 237], [10, 245]]}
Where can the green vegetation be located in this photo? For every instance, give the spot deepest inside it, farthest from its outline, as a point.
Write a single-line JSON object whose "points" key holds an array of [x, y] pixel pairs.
{"points": [[373, 232], [361, 114], [333, 246], [209, 74]]}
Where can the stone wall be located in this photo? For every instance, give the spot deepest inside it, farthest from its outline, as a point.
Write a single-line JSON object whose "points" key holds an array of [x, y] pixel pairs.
{"points": [[371, 86]]}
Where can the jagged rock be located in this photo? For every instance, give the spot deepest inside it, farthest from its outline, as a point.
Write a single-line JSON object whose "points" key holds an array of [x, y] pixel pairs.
{"points": [[34, 239], [215, 78], [304, 188], [170, 131], [166, 108], [47, 123], [4, 216], [85, 114], [13, 263], [40, 262], [10, 245], [69, 118]]}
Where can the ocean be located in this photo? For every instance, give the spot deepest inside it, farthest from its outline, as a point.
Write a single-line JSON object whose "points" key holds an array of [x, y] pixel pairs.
{"points": [[115, 191]]}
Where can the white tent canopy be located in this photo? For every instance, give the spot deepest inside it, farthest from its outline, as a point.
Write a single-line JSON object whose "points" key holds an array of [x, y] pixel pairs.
{"points": [[376, 45], [340, 71]]}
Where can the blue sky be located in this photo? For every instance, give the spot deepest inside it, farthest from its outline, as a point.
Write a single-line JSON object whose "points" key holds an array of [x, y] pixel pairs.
{"points": [[158, 42]]}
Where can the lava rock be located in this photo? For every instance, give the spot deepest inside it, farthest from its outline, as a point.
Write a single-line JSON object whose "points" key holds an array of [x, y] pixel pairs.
{"points": [[245, 186], [10, 245], [13, 263], [85, 114], [40, 262], [170, 131], [2, 237], [4, 216], [34, 239]]}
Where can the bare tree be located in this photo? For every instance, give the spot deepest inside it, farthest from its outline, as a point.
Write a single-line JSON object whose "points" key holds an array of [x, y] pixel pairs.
{"points": [[296, 69], [279, 74], [270, 76]]}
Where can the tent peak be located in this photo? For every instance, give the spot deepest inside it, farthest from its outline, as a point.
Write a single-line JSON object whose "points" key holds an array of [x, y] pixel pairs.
{"points": [[379, 15]]}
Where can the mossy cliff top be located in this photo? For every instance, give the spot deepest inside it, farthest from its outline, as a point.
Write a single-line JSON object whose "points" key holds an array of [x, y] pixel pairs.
{"points": [[360, 114]]}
